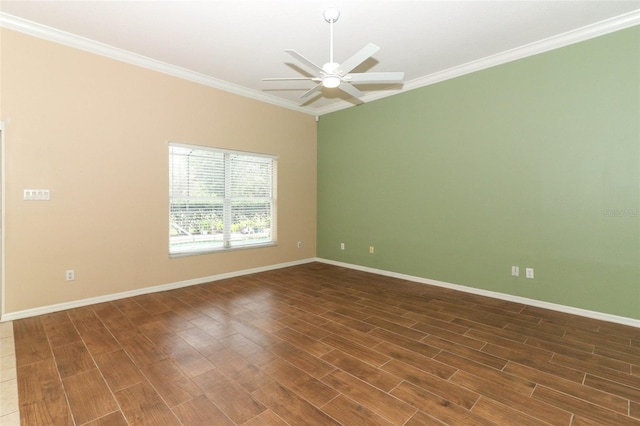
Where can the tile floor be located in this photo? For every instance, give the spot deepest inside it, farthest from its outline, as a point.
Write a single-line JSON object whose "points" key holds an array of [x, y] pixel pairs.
{"points": [[319, 345], [9, 413]]}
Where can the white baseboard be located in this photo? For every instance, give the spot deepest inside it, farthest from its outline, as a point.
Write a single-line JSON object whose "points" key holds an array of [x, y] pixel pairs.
{"points": [[517, 299], [170, 286], [155, 289]]}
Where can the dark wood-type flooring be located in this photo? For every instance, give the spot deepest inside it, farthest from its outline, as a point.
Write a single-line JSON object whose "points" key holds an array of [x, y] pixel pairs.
{"points": [[322, 345]]}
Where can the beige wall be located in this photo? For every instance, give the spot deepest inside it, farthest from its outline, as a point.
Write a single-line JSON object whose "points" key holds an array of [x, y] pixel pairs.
{"points": [[94, 131]]}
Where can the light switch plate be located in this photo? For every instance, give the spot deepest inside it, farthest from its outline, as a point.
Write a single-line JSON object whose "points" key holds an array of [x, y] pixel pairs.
{"points": [[37, 195]]}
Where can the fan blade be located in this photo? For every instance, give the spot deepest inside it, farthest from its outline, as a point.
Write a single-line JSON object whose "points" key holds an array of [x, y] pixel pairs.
{"points": [[290, 78], [304, 60], [375, 77], [364, 54], [351, 90], [315, 88]]}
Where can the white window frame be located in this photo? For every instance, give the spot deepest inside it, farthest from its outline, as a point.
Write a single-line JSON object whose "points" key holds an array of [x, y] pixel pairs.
{"points": [[182, 242]]}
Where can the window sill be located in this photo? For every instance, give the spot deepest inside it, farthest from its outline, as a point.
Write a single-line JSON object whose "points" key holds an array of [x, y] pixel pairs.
{"points": [[221, 250]]}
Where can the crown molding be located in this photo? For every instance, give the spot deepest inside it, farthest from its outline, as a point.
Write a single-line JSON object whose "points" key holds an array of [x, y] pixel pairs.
{"points": [[597, 29], [571, 37], [61, 37]]}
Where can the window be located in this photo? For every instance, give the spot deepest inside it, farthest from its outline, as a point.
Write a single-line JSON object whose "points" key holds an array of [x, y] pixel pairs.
{"points": [[220, 199]]}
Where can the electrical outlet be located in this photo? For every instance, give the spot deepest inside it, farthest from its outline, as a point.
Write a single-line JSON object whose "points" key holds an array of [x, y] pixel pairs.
{"points": [[529, 273], [371, 249], [341, 246], [70, 275], [299, 244], [515, 271]]}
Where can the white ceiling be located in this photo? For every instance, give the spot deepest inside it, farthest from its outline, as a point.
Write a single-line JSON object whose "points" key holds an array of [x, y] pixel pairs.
{"points": [[234, 44]]}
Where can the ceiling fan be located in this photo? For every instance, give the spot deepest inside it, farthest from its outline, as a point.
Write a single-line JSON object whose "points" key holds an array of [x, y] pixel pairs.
{"points": [[335, 75]]}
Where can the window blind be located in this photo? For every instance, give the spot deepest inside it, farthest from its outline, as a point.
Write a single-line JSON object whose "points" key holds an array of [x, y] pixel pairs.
{"points": [[220, 199]]}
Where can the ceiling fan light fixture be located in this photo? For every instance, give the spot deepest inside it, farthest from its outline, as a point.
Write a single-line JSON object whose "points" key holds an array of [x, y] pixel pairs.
{"points": [[331, 81], [332, 74]]}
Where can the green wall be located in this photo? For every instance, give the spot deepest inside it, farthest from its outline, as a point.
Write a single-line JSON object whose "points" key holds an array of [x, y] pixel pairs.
{"points": [[534, 163]]}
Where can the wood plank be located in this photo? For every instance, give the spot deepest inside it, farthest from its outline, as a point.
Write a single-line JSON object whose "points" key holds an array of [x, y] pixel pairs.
{"points": [[118, 370], [190, 361], [304, 361], [481, 357], [503, 393], [351, 334], [304, 342], [582, 408], [142, 351], [504, 415], [28, 329], [626, 354], [538, 361], [612, 387], [98, 339], [595, 368], [409, 333], [89, 396], [112, 419], [29, 351], [235, 402], [591, 394], [141, 405], [362, 370], [201, 411], [388, 317], [290, 407], [303, 384], [416, 346], [120, 327], [252, 377], [363, 353], [106, 310], [448, 335], [348, 412], [39, 381], [170, 382], [53, 412], [389, 407], [303, 327], [267, 417], [434, 384], [423, 419], [73, 358], [349, 322], [437, 407], [59, 329], [422, 362]]}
